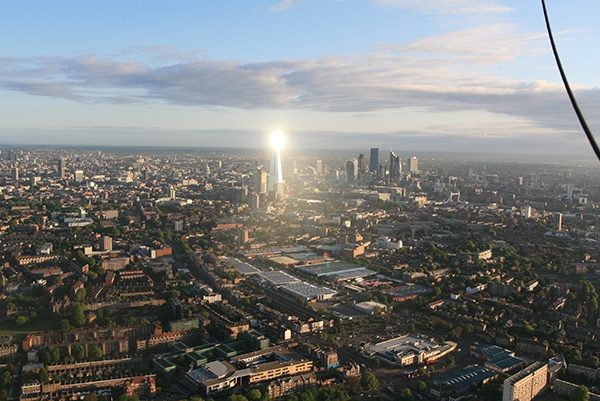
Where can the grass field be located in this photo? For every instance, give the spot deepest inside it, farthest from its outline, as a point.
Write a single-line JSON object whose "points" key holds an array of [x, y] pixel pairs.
{"points": [[18, 332]]}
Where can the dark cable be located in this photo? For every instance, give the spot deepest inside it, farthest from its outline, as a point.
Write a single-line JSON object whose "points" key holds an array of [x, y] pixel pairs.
{"points": [[582, 121]]}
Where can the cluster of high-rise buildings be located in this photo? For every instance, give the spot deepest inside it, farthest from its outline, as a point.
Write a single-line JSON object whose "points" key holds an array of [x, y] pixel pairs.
{"points": [[391, 171]]}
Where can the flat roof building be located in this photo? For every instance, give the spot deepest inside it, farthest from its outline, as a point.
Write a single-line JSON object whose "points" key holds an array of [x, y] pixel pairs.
{"points": [[308, 292], [408, 349], [336, 270], [526, 384], [460, 381], [278, 277]]}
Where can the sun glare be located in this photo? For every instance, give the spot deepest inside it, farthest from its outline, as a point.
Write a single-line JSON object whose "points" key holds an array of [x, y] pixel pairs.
{"points": [[277, 140]]}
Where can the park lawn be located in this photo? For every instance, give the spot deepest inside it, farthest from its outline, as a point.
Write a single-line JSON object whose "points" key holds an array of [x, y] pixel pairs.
{"points": [[18, 332]]}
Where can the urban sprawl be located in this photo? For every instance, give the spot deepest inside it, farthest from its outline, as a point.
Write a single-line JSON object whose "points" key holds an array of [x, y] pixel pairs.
{"points": [[136, 274]]}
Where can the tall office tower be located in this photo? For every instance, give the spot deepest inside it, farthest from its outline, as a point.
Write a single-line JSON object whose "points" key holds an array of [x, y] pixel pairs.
{"points": [[361, 162], [171, 192], [351, 171], [395, 169], [569, 191], [374, 160], [294, 170], [254, 201], [275, 173], [243, 236], [62, 168], [558, 221], [319, 167], [78, 175], [15, 174], [527, 212], [106, 244], [259, 183], [413, 164], [145, 174]]}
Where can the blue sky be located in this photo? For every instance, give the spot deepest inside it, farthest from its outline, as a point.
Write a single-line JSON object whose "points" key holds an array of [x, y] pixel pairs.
{"points": [[458, 75]]}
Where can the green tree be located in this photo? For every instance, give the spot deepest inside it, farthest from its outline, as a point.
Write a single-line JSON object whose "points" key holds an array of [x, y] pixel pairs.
{"points": [[55, 354], [128, 398], [95, 352], [254, 395], [78, 352], [21, 320], [421, 387], [581, 393], [80, 295], [468, 328], [405, 395], [592, 362], [65, 325], [237, 397], [449, 360], [368, 381], [5, 378], [77, 314], [43, 376]]}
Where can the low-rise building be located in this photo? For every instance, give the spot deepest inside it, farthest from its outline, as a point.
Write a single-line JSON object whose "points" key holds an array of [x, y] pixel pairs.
{"points": [[408, 349], [460, 381]]}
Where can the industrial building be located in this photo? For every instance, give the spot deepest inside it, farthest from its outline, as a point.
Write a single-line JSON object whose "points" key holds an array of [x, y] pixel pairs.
{"points": [[408, 349], [278, 277], [337, 270], [308, 292], [460, 381], [369, 307]]}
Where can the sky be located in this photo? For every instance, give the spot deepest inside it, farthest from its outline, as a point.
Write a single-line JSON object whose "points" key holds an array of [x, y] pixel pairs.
{"points": [[409, 75]]}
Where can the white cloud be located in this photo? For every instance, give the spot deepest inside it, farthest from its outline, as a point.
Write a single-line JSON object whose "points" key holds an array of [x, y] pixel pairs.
{"points": [[285, 4], [485, 44], [446, 6], [445, 73]]}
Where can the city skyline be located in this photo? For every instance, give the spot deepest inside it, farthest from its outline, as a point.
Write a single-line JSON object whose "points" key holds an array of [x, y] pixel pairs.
{"points": [[457, 76]]}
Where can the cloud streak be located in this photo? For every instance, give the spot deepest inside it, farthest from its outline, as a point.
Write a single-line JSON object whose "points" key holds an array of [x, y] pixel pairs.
{"points": [[446, 6], [285, 4], [438, 74]]}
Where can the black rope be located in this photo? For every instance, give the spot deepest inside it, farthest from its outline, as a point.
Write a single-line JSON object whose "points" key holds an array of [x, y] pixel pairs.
{"points": [[582, 121]]}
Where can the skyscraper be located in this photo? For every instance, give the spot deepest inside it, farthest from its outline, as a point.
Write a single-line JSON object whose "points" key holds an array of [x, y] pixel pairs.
{"points": [[254, 200], [319, 166], [62, 168], [171, 192], [413, 164], [351, 171], [395, 169], [558, 221], [260, 181], [374, 160], [275, 173], [361, 162]]}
